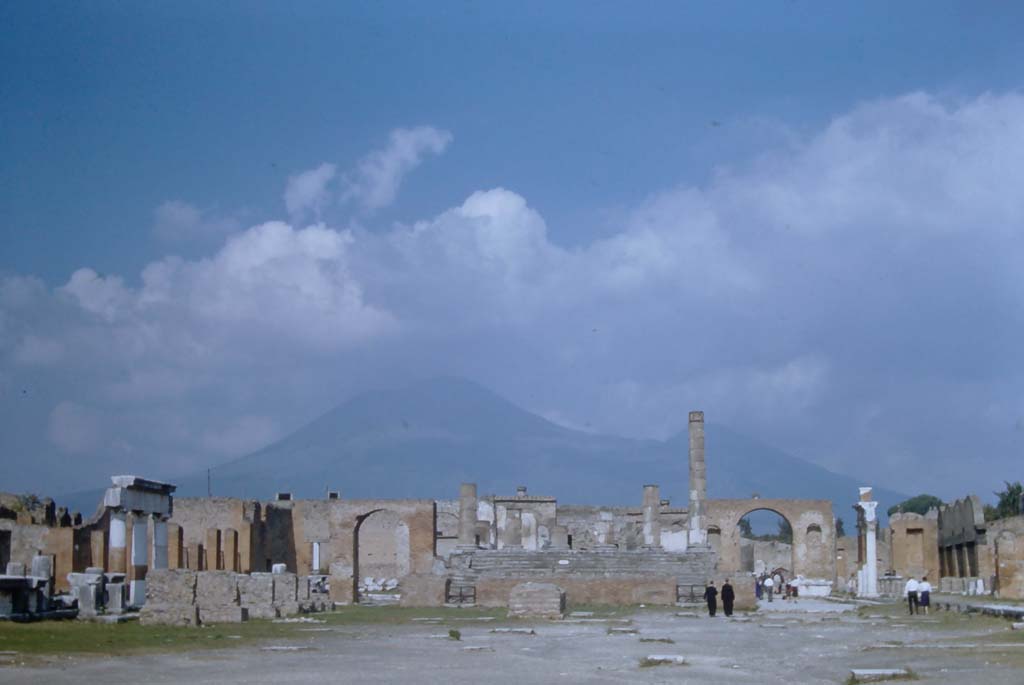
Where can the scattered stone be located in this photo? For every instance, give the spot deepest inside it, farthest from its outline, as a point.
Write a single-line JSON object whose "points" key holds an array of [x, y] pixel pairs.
{"points": [[666, 640], [872, 675], [774, 625], [1017, 626], [477, 648], [299, 619], [623, 631], [515, 631], [662, 660], [287, 648], [686, 614], [581, 614]]}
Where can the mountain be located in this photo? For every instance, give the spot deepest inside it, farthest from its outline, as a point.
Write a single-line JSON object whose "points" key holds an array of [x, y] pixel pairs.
{"points": [[425, 439]]}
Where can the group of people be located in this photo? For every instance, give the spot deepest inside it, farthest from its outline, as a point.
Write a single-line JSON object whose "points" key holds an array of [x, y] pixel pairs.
{"points": [[770, 584], [918, 594], [711, 597]]}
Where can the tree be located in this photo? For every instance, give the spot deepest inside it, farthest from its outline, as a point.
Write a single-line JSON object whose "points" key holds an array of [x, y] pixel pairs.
{"points": [[840, 528], [916, 505], [785, 533], [746, 531], [1009, 502]]}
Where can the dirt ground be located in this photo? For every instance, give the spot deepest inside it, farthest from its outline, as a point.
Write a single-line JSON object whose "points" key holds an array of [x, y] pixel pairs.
{"points": [[813, 642]]}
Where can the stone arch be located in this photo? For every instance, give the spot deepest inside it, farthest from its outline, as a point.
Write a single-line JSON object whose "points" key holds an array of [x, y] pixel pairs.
{"points": [[769, 551], [380, 547], [812, 556]]}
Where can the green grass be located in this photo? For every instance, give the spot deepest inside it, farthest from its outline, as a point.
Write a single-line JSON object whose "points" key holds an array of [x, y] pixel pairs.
{"points": [[81, 637]]}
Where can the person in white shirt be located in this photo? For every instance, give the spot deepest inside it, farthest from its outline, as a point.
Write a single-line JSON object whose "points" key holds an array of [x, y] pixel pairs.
{"points": [[910, 591], [924, 594], [769, 587]]}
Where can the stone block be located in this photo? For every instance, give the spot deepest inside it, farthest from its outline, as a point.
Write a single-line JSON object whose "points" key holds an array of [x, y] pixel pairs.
{"points": [[116, 598], [279, 568], [171, 587], [15, 568], [256, 588], [286, 588], [169, 615], [536, 600], [217, 589], [261, 610], [222, 614], [288, 608], [871, 675]]}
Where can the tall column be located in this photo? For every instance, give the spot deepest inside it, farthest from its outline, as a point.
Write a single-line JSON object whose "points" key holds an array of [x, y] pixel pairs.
{"points": [[870, 570], [116, 552], [698, 480], [140, 559], [160, 544], [652, 511], [467, 515]]}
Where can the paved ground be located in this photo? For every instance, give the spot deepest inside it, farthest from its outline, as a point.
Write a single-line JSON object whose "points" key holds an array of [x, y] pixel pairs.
{"points": [[819, 646]]}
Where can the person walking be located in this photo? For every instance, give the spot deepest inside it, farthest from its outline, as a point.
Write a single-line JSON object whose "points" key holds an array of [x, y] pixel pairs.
{"points": [[728, 596], [910, 592], [711, 595], [758, 589], [769, 587], [924, 594]]}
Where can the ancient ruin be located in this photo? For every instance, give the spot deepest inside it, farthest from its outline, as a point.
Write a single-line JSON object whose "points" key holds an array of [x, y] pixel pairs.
{"points": [[188, 561]]}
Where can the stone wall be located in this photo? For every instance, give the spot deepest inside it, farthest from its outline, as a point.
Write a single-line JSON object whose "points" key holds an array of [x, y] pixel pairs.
{"points": [[536, 600], [1008, 539], [914, 545], [657, 590]]}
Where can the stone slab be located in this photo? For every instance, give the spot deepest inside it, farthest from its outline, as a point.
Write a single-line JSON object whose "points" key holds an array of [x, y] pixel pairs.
{"points": [[872, 675]]}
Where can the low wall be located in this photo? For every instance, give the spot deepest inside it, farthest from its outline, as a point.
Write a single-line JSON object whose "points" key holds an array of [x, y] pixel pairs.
{"points": [[657, 590]]}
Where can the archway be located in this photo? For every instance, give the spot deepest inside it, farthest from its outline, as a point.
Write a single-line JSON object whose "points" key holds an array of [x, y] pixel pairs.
{"points": [[766, 543], [380, 550]]}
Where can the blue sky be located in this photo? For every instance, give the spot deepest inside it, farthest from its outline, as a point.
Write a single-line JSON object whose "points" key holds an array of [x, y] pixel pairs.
{"points": [[656, 169]]}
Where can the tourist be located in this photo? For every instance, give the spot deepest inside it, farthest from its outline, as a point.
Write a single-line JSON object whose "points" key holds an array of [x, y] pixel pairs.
{"points": [[758, 589], [924, 590], [711, 595], [769, 587], [728, 596], [910, 591]]}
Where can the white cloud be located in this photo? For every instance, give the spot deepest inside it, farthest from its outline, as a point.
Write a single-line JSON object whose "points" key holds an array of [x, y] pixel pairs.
{"points": [[871, 270], [177, 221], [308, 191], [378, 176]]}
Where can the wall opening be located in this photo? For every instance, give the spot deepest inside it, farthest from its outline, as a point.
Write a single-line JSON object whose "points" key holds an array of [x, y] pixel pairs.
{"points": [[380, 549], [766, 542], [5, 549]]}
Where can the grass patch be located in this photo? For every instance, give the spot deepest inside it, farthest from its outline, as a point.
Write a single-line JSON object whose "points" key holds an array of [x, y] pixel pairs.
{"points": [[83, 637], [454, 634]]}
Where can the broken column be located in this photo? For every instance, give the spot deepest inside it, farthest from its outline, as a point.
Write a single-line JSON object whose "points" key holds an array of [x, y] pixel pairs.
{"points": [[698, 479], [140, 560], [159, 542], [867, 578], [118, 542], [652, 511], [467, 514]]}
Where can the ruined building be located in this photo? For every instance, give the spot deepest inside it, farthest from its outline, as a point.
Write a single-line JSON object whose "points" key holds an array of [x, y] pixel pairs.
{"points": [[234, 558]]}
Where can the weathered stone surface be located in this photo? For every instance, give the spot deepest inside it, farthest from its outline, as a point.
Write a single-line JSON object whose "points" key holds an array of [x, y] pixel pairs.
{"points": [[286, 588], [15, 568], [256, 589], [217, 589], [536, 600], [223, 614], [169, 614], [422, 591], [171, 587], [116, 598]]}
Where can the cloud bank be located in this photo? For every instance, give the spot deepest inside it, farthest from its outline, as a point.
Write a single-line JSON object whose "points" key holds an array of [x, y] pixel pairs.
{"points": [[854, 298]]}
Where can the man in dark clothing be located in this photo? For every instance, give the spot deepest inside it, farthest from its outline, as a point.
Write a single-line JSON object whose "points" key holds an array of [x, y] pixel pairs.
{"points": [[728, 596], [711, 595]]}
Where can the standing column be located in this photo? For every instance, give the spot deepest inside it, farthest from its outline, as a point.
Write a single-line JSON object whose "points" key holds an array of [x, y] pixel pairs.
{"points": [[159, 542], [870, 585], [467, 515], [652, 522], [698, 479], [116, 552], [140, 559]]}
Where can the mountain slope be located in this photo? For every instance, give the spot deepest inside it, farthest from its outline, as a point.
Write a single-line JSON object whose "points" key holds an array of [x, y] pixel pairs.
{"points": [[423, 440]]}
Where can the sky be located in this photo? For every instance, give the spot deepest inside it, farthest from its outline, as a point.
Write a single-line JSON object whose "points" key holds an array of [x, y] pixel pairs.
{"points": [[220, 220]]}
